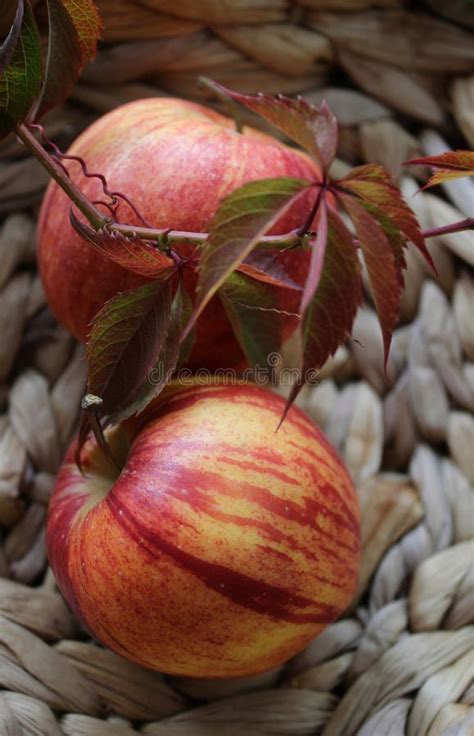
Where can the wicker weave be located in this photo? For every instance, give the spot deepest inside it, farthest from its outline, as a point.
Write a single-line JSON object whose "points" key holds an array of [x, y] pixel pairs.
{"points": [[401, 661]]}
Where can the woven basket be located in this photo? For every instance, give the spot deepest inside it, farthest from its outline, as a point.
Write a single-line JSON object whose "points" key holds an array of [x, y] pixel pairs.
{"points": [[401, 661]]}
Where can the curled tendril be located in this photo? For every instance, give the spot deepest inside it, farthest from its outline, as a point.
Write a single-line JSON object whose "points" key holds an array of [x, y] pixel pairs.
{"points": [[112, 209], [113, 196]]}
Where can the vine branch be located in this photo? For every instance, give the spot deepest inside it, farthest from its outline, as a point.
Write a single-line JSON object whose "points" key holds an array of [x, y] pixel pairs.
{"points": [[164, 238]]}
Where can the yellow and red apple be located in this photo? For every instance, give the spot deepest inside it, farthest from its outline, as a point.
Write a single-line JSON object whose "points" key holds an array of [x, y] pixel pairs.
{"points": [[221, 547], [175, 160]]}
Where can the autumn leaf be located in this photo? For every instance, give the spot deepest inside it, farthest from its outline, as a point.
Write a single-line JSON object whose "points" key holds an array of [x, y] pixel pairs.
{"points": [[384, 261], [268, 277], [241, 221], [20, 78], [253, 310], [448, 166], [88, 25], [171, 354], [265, 264], [134, 254], [126, 341], [375, 187], [330, 314], [74, 31], [318, 252], [64, 59], [133, 352], [384, 225], [313, 128]]}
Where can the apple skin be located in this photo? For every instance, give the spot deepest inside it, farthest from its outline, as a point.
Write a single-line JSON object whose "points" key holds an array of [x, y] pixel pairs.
{"points": [[176, 160], [222, 548]]}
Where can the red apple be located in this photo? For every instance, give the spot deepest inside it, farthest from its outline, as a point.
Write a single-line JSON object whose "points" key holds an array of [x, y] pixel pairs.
{"points": [[221, 548], [176, 161]]}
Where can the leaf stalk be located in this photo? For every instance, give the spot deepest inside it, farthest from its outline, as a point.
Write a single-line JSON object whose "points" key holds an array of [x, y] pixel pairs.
{"points": [[455, 227]]}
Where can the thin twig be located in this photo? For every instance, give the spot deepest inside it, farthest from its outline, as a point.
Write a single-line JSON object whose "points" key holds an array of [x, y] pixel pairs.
{"points": [[456, 227], [165, 237]]}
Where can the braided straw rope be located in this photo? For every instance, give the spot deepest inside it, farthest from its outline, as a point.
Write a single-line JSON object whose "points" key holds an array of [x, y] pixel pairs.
{"points": [[400, 661]]}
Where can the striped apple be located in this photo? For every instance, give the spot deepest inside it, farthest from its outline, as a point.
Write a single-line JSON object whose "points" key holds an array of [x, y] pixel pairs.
{"points": [[221, 548], [176, 161]]}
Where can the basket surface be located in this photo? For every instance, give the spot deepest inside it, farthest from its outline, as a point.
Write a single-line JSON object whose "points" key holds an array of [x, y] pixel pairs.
{"points": [[399, 76]]}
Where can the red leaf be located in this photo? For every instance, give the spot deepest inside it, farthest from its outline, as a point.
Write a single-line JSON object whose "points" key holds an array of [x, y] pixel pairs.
{"points": [[267, 277], [131, 253], [318, 245], [313, 128], [374, 186], [267, 260], [451, 165], [241, 221], [384, 260], [330, 314]]}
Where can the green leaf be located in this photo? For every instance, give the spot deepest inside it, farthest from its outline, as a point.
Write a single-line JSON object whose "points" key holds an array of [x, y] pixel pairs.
{"points": [[313, 128], [330, 314], [20, 80], [9, 44], [64, 57], [252, 309], [450, 165], [169, 356], [241, 221], [127, 338], [186, 345], [131, 253]]}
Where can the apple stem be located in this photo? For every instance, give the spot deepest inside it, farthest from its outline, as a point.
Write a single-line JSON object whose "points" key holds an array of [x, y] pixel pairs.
{"points": [[91, 406], [455, 227], [58, 172]]}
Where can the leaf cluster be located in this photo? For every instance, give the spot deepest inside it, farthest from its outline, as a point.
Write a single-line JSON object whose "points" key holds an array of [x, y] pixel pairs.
{"points": [[360, 219], [32, 79], [140, 337]]}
